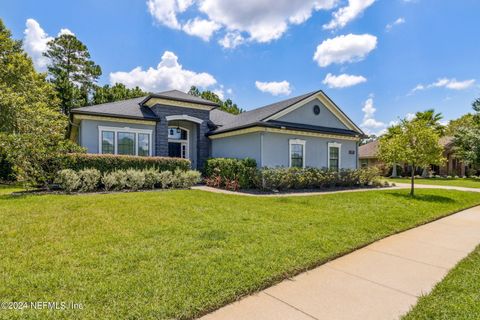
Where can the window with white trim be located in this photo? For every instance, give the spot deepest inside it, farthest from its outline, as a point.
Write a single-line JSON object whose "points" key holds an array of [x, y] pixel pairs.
{"points": [[297, 153], [108, 142], [334, 152], [125, 141]]}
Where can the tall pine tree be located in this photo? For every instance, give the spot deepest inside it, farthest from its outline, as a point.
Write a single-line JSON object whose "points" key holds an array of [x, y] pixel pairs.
{"points": [[71, 71]]}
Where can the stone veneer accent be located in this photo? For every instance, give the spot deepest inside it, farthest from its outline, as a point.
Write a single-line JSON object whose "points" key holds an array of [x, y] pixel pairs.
{"points": [[161, 130]]}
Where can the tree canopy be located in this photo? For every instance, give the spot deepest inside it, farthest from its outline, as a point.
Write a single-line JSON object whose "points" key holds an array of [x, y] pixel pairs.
{"points": [[32, 130], [467, 137], [227, 105], [114, 93], [414, 143], [71, 71]]}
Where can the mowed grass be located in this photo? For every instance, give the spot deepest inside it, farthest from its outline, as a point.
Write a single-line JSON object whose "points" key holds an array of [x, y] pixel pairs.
{"points": [[462, 182], [456, 297], [180, 254]]}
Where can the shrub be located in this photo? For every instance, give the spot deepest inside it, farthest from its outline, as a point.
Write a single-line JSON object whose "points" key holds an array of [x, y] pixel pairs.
{"points": [[152, 178], [89, 179], [68, 180], [165, 179], [229, 169], [108, 162], [135, 179], [311, 178], [116, 180], [185, 179]]}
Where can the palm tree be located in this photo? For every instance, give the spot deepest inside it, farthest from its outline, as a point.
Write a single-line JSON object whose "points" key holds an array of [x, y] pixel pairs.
{"points": [[432, 119]]}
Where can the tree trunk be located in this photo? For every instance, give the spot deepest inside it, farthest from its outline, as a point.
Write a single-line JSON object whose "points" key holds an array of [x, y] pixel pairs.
{"points": [[394, 171], [412, 188]]}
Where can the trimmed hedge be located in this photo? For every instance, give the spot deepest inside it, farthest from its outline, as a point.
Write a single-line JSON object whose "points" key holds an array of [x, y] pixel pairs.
{"points": [[275, 179], [108, 162], [231, 173]]}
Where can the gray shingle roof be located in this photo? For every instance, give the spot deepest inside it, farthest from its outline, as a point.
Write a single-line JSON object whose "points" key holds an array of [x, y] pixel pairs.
{"points": [[259, 114], [123, 109], [182, 96], [220, 118]]}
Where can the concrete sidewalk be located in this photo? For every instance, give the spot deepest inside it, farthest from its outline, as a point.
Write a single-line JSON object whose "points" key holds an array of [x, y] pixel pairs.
{"points": [[380, 281]]}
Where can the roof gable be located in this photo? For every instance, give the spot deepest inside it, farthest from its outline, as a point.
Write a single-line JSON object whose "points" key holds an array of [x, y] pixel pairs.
{"points": [[275, 111], [305, 115]]}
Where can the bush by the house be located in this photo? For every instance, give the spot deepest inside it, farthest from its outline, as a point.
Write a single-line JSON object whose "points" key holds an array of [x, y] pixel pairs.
{"points": [[312, 178], [152, 178], [231, 173], [89, 179], [165, 179], [135, 179], [68, 180], [131, 179], [109, 162], [185, 179]]}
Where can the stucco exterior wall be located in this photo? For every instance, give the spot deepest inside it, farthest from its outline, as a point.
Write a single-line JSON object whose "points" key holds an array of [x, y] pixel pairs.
{"points": [[241, 146], [89, 134], [305, 115], [276, 151]]}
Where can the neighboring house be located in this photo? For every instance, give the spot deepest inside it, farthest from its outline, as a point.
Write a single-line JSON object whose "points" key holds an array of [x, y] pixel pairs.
{"points": [[367, 154], [306, 131]]}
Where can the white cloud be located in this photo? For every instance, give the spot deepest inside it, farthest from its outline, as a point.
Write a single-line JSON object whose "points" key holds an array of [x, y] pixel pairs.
{"points": [[397, 22], [346, 14], [201, 28], [369, 124], [451, 84], [169, 74], [165, 11], [260, 20], [274, 88], [410, 116], [231, 40], [343, 80], [66, 31], [345, 48], [35, 43]]}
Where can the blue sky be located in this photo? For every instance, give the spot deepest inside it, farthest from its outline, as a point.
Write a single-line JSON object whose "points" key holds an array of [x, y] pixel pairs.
{"points": [[387, 48]]}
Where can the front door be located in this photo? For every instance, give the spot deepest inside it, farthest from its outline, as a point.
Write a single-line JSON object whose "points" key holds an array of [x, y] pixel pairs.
{"points": [[175, 149], [178, 150]]}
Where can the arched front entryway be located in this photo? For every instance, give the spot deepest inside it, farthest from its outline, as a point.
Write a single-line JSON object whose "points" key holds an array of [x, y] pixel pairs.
{"points": [[178, 142], [182, 137]]}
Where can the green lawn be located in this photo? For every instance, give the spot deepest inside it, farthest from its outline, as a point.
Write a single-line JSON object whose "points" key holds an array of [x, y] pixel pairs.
{"points": [[467, 182], [456, 297], [179, 254]]}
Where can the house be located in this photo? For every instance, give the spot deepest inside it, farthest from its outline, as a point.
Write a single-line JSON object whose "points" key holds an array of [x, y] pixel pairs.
{"points": [[452, 167], [305, 131]]}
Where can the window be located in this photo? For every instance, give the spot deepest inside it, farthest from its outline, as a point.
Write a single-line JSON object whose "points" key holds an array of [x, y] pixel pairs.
{"points": [[334, 156], [297, 153], [125, 141], [177, 134], [108, 142], [143, 144]]}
